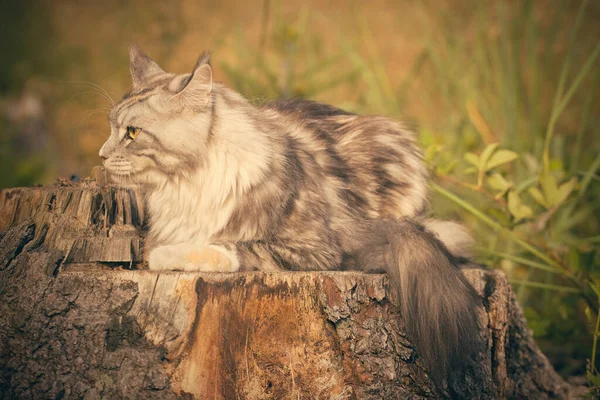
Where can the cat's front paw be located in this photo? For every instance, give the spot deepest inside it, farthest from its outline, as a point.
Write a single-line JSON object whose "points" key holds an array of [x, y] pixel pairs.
{"points": [[165, 258], [189, 257]]}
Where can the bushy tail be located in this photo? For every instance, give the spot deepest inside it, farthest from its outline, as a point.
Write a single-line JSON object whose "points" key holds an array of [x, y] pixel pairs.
{"points": [[438, 304]]}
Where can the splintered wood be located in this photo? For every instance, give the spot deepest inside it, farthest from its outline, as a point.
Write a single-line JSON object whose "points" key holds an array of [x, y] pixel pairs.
{"points": [[91, 224]]}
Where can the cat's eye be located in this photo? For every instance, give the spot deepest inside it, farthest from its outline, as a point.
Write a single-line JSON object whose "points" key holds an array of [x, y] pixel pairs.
{"points": [[132, 132]]}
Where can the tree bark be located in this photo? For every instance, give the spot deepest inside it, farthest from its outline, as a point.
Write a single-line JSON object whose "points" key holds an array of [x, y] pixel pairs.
{"points": [[80, 318]]}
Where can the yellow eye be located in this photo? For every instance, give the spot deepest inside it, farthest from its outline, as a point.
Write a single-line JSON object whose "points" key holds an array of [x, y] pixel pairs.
{"points": [[132, 132]]}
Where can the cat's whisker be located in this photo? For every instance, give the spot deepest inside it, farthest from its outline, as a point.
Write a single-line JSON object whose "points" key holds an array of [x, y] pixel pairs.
{"points": [[99, 93], [100, 88], [90, 84], [92, 92]]}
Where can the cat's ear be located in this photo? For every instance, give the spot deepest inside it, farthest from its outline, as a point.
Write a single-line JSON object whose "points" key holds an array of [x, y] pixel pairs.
{"points": [[141, 66], [197, 87]]}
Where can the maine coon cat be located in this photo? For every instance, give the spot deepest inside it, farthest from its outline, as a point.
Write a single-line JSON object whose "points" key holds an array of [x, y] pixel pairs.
{"points": [[293, 185]]}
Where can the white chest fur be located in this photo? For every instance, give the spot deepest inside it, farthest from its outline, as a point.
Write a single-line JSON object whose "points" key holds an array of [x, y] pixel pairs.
{"points": [[188, 211]]}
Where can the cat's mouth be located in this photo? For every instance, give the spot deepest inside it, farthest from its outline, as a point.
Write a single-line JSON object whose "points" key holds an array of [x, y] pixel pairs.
{"points": [[127, 173], [118, 166], [121, 171]]}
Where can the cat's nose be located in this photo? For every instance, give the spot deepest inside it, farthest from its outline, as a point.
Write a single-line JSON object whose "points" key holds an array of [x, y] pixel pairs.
{"points": [[104, 158]]}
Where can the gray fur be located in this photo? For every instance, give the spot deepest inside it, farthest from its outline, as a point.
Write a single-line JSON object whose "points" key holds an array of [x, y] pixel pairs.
{"points": [[292, 185]]}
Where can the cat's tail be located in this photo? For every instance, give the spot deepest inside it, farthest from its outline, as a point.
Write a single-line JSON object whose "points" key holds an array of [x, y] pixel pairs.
{"points": [[437, 302]]}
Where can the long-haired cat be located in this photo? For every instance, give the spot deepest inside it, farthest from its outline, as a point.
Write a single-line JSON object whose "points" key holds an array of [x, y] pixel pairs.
{"points": [[293, 185]]}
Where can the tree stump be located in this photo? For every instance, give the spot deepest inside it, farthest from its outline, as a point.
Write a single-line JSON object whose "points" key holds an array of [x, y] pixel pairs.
{"points": [[81, 318]]}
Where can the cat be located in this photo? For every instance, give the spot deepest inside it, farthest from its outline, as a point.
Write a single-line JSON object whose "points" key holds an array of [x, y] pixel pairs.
{"points": [[293, 185]]}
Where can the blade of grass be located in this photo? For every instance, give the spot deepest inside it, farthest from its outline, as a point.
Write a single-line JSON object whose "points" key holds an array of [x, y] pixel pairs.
{"points": [[521, 260], [535, 80], [587, 178], [381, 77], [556, 109], [583, 123], [546, 286], [579, 79], [595, 342]]}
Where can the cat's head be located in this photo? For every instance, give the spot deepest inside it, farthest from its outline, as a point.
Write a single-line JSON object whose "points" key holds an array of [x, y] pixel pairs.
{"points": [[160, 129]]}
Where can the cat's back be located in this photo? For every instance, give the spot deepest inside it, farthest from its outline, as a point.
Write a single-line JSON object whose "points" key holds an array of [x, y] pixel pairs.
{"points": [[375, 158]]}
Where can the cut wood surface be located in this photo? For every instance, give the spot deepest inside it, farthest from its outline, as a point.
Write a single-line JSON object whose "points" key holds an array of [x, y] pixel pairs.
{"points": [[79, 318]]}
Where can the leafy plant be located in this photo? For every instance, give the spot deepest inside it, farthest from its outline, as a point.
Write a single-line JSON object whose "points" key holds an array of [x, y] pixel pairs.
{"points": [[543, 211]]}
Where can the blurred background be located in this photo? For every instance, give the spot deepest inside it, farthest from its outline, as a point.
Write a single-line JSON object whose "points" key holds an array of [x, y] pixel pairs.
{"points": [[504, 96]]}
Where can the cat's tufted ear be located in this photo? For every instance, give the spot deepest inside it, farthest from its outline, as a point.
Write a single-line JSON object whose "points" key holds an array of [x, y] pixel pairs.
{"points": [[141, 66], [195, 89]]}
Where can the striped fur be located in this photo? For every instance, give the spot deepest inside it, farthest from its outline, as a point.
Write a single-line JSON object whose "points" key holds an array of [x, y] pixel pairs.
{"points": [[291, 185]]}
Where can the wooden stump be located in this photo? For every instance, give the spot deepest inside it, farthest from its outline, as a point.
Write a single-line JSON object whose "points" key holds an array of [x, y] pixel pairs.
{"points": [[80, 319]]}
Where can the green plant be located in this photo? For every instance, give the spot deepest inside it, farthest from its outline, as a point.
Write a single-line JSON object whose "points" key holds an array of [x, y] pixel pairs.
{"points": [[535, 208]]}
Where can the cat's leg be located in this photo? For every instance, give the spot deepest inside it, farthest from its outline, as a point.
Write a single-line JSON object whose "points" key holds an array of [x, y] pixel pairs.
{"points": [[298, 254], [285, 255], [193, 257]]}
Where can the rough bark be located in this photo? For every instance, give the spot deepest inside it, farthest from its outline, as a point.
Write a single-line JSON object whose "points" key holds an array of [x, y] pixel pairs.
{"points": [[79, 319]]}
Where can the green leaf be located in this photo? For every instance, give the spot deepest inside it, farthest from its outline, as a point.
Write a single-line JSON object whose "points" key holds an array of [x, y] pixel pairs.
{"points": [[472, 159], [574, 259], [531, 162], [550, 188], [589, 315], [564, 191], [516, 207], [556, 164], [499, 158], [538, 196], [496, 181], [486, 154]]}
